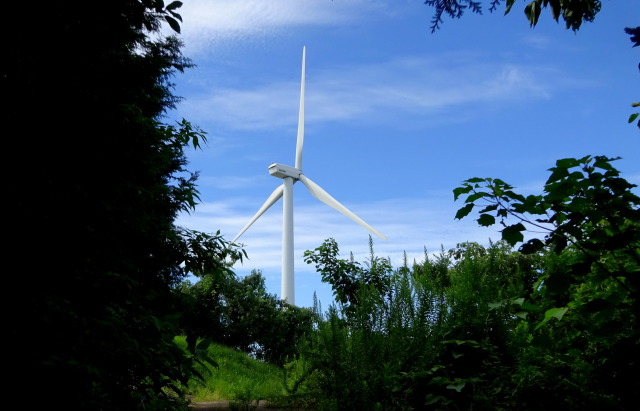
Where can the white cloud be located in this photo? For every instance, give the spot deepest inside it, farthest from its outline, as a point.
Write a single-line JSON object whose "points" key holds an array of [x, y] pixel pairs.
{"points": [[215, 23], [409, 224], [381, 92]]}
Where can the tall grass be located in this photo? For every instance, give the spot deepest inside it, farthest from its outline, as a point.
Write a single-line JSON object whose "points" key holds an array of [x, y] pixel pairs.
{"points": [[431, 341]]}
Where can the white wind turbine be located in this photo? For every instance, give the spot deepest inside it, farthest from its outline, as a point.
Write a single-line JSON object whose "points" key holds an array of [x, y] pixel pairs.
{"points": [[290, 175]]}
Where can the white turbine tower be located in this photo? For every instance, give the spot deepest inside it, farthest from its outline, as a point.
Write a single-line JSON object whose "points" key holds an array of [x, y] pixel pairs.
{"points": [[290, 175]]}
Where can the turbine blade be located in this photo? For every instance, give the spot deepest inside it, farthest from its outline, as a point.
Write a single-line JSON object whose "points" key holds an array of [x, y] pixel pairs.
{"points": [[323, 196], [300, 140], [275, 196]]}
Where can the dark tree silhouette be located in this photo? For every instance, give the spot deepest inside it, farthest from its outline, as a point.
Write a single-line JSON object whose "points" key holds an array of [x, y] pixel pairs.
{"points": [[94, 184]]}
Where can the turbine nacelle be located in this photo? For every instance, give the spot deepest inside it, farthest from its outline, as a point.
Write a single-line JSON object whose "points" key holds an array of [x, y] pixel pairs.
{"points": [[282, 171]]}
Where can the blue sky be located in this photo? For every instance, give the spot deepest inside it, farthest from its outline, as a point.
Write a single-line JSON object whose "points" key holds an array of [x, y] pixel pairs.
{"points": [[396, 117]]}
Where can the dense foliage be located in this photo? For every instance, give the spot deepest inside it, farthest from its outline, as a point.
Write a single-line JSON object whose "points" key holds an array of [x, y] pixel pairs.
{"points": [[348, 277], [554, 324], [433, 340], [592, 280], [96, 182], [239, 313]]}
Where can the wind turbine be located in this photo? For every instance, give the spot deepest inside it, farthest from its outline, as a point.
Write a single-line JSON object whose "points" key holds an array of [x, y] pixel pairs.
{"points": [[291, 175]]}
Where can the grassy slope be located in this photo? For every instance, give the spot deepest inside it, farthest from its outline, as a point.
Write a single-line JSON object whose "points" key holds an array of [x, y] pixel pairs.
{"points": [[238, 377]]}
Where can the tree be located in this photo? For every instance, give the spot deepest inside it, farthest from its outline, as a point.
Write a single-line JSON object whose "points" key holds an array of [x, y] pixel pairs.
{"points": [[573, 12], [348, 277], [586, 205], [95, 184], [239, 313], [584, 312]]}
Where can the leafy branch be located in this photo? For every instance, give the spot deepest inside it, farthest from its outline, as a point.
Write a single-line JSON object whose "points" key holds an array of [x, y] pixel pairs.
{"points": [[586, 206], [573, 12]]}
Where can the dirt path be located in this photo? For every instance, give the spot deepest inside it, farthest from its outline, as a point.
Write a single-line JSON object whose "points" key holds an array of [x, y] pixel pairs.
{"points": [[213, 405], [224, 405]]}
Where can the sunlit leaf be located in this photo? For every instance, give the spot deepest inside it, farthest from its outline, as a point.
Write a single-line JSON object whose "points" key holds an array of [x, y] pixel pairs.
{"points": [[493, 306], [457, 387], [522, 314], [551, 313]]}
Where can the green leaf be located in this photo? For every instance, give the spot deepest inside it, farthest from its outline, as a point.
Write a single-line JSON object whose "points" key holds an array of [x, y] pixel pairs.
{"points": [[556, 313], [556, 174], [530, 307], [605, 162], [508, 7], [514, 196], [493, 306], [173, 23], [174, 5], [567, 163], [532, 11], [522, 314], [486, 220], [464, 211], [460, 190], [513, 234], [473, 197], [488, 208], [457, 387], [176, 15], [532, 246], [204, 344], [432, 399], [556, 8]]}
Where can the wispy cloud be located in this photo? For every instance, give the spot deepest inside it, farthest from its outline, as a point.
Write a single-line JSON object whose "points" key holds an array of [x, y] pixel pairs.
{"points": [[382, 92], [219, 23], [409, 224]]}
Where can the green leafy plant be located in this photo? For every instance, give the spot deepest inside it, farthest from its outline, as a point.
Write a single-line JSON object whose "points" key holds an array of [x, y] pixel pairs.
{"points": [[581, 318], [586, 205], [347, 277], [430, 337]]}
